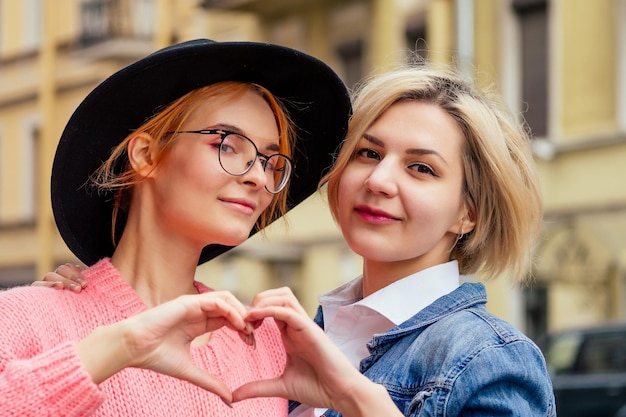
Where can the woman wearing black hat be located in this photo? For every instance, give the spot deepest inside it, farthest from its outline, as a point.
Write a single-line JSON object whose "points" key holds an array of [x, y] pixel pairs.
{"points": [[181, 132]]}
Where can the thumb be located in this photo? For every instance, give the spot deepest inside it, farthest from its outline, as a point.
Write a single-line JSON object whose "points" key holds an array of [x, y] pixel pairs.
{"points": [[262, 388]]}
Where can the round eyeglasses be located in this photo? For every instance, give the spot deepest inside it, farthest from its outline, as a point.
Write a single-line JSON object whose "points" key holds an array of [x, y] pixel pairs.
{"points": [[238, 153]]}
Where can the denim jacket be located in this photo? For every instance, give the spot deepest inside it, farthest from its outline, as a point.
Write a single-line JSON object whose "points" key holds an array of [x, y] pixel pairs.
{"points": [[455, 359]]}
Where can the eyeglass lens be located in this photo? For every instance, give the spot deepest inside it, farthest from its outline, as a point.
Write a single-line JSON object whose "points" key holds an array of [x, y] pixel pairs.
{"points": [[237, 154]]}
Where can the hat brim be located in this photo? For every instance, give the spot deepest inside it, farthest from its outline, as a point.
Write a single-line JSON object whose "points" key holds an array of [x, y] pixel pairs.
{"points": [[316, 99]]}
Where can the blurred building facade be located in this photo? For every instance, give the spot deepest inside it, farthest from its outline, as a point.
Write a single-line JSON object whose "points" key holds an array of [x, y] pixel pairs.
{"points": [[560, 62]]}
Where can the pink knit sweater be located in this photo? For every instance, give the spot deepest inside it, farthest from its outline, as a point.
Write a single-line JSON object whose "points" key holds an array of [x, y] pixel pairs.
{"points": [[41, 374]]}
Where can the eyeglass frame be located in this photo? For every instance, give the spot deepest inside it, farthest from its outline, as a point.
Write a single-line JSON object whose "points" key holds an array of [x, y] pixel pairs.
{"points": [[223, 133]]}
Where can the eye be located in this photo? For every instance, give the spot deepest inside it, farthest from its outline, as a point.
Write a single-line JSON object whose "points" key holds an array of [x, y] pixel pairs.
{"points": [[422, 168], [232, 144], [224, 147], [367, 153], [266, 163]]}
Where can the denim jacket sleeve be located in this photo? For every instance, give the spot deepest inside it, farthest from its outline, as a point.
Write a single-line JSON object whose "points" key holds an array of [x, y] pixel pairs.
{"points": [[507, 378], [468, 363]]}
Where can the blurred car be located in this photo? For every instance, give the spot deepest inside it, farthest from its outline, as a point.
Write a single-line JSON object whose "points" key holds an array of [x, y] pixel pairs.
{"points": [[588, 370]]}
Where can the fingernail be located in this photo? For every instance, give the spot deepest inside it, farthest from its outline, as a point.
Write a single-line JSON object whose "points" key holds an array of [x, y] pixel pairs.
{"points": [[74, 287], [251, 340], [226, 402]]}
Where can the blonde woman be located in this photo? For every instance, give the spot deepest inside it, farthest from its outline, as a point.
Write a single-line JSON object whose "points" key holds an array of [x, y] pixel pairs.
{"points": [[435, 180]]}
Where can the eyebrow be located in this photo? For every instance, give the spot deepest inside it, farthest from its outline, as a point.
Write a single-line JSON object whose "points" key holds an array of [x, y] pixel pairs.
{"points": [[274, 147], [410, 151]]}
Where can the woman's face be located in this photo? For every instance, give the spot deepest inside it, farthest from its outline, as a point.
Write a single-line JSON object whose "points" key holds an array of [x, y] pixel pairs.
{"points": [[400, 198], [195, 197]]}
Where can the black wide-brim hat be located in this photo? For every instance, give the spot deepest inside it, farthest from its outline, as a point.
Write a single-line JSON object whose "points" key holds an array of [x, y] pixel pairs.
{"points": [[316, 99]]}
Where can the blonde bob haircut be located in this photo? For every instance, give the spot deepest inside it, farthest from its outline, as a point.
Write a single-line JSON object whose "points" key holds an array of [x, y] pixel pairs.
{"points": [[501, 187], [121, 181]]}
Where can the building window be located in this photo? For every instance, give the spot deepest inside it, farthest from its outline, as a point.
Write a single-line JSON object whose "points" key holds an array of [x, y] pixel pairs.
{"points": [[415, 38], [32, 24], [351, 56], [14, 276], [536, 310], [107, 19], [532, 16]]}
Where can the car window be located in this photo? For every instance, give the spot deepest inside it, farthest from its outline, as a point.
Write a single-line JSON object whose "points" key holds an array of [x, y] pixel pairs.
{"points": [[561, 353], [602, 353]]}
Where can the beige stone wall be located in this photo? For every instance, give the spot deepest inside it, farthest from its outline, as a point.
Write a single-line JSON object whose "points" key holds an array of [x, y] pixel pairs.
{"points": [[582, 182]]}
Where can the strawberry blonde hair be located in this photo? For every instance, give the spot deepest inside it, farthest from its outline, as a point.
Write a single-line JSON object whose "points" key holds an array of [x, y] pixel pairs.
{"points": [[116, 174]]}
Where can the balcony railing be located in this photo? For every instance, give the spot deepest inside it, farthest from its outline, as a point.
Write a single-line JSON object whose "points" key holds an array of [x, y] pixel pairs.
{"points": [[103, 20]]}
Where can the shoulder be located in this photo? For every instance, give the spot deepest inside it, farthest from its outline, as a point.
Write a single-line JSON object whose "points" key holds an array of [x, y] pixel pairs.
{"points": [[463, 313], [482, 361], [39, 305], [485, 350], [32, 299], [29, 314], [467, 342], [473, 332], [498, 367]]}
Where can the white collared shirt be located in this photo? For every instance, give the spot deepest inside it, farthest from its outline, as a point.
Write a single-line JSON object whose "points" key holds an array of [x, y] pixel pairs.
{"points": [[351, 321]]}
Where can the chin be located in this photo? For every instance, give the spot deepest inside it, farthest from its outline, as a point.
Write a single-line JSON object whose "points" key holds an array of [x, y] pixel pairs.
{"points": [[234, 238]]}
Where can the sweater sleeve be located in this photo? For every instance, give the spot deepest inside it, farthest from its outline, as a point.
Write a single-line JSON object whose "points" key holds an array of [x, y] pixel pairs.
{"points": [[51, 383], [40, 371]]}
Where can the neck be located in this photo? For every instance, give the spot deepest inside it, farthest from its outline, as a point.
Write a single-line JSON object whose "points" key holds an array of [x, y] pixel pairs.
{"points": [[379, 274], [158, 268]]}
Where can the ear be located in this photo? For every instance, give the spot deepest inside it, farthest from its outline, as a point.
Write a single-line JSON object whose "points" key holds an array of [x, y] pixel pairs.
{"points": [[468, 220], [140, 148]]}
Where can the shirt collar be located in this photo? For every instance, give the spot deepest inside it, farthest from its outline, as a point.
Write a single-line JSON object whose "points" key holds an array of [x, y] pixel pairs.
{"points": [[399, 300]]}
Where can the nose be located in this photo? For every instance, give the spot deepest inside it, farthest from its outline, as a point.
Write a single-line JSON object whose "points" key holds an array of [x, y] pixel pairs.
{"points": [[256, 175], [382, 180]]}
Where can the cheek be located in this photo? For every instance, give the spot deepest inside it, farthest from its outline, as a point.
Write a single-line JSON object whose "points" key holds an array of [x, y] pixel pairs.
{"points": [[434, 212], [188, 181], [349, 184], [265, 200]]}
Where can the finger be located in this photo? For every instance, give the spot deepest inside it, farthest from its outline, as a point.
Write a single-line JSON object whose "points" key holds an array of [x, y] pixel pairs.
{"points": [[274, 292], [282, 315], [49, 284], [233, 301], [255, 389], [72, 273], [282, 297], [67, 276], [59, 283], [225, 306]]}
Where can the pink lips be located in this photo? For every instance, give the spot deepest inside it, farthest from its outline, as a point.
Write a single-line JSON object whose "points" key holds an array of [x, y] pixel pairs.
{"points": [[241, 204], [372, 215]]}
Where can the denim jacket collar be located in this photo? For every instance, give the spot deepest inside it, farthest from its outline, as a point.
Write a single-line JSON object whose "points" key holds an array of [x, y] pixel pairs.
{"points": [[466, 296]]}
